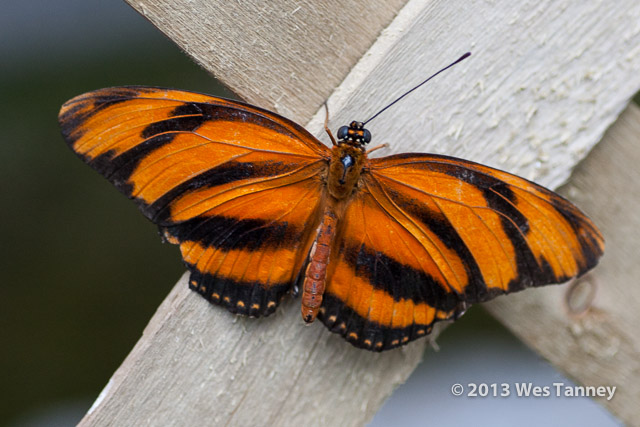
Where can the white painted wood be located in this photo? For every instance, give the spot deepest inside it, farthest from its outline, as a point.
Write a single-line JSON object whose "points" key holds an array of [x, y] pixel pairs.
{"points": [[545, 80]]}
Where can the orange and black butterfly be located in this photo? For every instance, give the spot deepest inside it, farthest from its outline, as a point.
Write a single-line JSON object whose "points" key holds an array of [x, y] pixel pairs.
{"points": [[382, 248]]}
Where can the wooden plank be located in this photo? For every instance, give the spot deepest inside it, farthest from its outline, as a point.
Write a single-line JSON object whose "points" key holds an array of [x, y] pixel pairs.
{"points": [[284, 56], [545, 80], [533, 99], [599, 340], [199, 364]]}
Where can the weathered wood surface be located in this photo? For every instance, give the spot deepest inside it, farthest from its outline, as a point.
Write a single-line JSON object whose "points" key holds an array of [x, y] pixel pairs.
{"points": [[544, 82], [596, 342], [280, 55]]}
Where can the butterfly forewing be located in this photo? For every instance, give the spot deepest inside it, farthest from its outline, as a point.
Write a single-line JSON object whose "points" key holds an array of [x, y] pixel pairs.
{"points": [[236, 186], [507, 233]]}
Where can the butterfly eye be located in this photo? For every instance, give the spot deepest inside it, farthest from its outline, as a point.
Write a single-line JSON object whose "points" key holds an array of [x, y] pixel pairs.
{"points": [[366, 136], [343, 132]]}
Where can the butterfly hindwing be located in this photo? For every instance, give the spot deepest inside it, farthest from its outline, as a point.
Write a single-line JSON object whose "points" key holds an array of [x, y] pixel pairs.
{"points": [[427, 235], [246, 253], [237, 187], [384, 289]]}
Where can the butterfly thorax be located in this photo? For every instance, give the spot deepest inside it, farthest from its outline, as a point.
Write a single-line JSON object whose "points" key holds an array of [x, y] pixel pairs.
{"points": [[344, 169], [347, 158]]}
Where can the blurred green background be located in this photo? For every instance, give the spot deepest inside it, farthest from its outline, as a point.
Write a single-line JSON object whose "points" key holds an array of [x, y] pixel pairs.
{"points": [[83, 271]]}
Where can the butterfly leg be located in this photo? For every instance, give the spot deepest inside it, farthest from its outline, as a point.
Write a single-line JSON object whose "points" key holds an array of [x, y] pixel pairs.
{"points": [[326, 124], [377, 147]]}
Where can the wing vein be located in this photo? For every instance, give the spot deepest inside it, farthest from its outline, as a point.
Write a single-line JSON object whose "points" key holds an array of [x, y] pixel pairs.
{"points": [[418, 227], [513, 268], [532, 224], [248, 183]]}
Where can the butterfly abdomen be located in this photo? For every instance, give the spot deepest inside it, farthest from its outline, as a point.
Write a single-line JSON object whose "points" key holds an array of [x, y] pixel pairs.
{"points": [[344, 172], [315, 274]]}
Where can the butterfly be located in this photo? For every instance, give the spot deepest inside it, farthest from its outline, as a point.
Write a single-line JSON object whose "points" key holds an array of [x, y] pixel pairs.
{"points": [[380, 248]]}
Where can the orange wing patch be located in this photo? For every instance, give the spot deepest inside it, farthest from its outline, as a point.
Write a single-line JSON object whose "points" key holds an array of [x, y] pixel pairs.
{"points": [[236, 186]]}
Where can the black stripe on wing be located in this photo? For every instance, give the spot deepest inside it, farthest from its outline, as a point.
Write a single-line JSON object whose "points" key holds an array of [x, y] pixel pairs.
{"points": [[240, 297]]}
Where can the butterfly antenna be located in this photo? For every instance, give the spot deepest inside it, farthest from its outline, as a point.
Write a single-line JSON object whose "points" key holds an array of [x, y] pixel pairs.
{"points": [[465, 56]]}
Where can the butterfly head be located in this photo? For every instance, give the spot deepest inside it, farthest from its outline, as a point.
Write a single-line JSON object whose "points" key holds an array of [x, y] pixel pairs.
{"points": [[354, 134]]}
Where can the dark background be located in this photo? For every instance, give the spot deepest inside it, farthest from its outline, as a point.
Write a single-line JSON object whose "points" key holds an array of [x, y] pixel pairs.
{"points": [[83, 271]]}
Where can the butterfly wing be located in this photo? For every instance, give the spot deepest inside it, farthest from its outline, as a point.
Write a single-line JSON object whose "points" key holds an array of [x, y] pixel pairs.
{"points": [[237, 187], [429, 234]]}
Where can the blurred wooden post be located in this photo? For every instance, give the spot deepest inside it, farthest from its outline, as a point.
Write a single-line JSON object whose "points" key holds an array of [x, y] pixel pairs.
{"points": [[545, 81]]}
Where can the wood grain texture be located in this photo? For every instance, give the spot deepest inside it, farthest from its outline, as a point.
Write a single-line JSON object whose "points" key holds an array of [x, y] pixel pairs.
{"points": [[198, 364], [544, 82], [284, 56], [597, 343]]}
